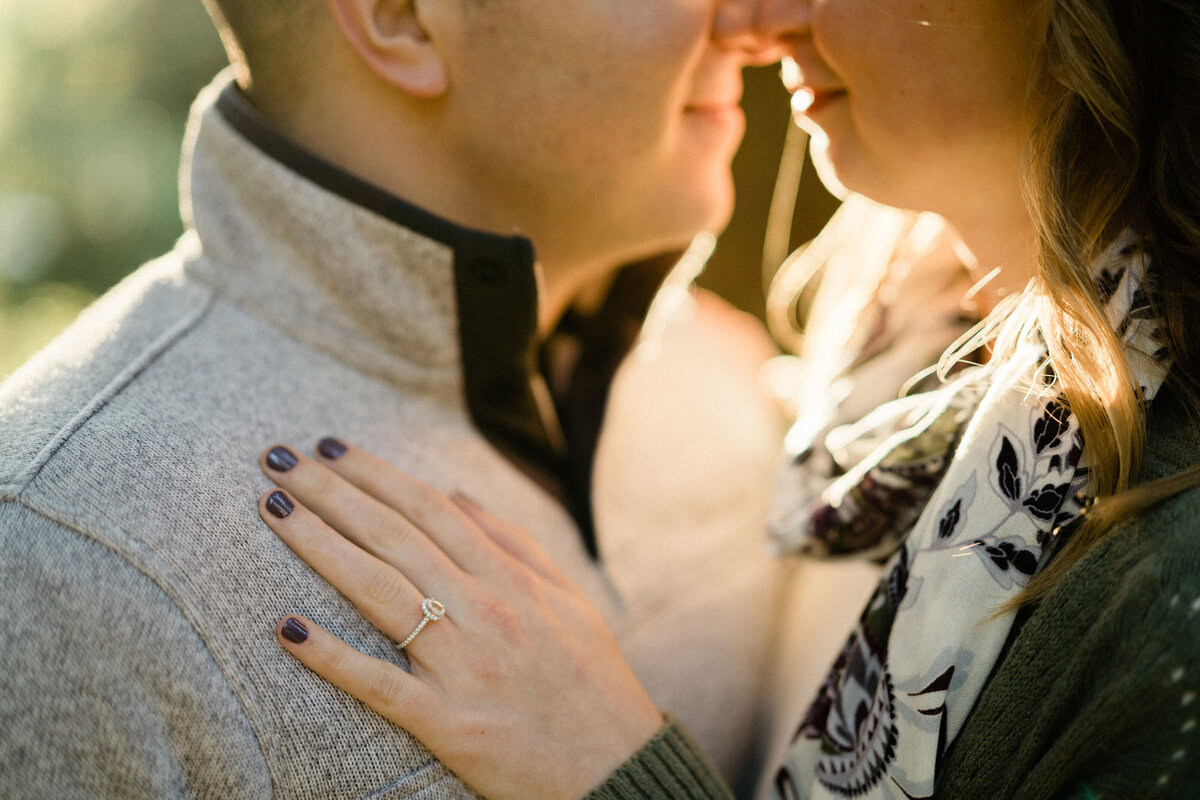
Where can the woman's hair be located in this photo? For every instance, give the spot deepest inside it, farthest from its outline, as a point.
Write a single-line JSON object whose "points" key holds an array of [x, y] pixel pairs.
{"points": [[1117, 147]]}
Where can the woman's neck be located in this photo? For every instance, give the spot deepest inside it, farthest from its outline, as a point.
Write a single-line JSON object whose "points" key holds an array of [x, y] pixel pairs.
{"points": [[1001, 246]]}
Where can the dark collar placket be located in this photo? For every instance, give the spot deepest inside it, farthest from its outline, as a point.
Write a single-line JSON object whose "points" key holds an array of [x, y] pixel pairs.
{"points": [[496, 291]]}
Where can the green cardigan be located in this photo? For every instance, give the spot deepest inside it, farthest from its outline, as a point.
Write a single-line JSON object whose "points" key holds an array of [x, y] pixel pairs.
{"points": [[1098, 694]]}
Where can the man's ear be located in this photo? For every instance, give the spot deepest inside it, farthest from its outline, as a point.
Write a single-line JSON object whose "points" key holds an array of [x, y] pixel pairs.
{"points": [[390, 39]]}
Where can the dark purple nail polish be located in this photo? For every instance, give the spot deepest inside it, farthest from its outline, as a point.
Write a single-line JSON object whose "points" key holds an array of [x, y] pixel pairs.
{"points": [[294, 631], [331, 448], [281, 459], [279, 504]]}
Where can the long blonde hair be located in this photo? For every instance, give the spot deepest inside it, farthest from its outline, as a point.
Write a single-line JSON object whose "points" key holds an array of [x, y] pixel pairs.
{"points": [[1117, 148]]}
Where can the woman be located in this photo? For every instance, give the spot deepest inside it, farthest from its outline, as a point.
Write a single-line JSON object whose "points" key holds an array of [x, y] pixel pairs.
{"points": [[1033, 635]]}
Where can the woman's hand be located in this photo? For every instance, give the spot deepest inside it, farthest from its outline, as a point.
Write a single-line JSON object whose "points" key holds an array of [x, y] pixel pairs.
{"points": [[520, 689]]}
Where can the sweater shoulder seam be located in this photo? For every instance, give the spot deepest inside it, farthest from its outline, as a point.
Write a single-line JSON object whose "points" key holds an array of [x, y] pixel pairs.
{"points": [[163, 585], [16, 488]]}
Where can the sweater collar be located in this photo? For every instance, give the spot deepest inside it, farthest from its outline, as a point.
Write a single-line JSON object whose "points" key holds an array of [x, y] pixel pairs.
{"points": [[364, 276]]}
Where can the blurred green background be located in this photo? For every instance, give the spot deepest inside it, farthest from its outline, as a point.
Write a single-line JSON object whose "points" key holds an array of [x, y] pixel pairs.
{"points": [[93, 100]]}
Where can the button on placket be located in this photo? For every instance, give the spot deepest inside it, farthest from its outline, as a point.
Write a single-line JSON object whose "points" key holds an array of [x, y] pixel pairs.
{"points": [[488, 271]]}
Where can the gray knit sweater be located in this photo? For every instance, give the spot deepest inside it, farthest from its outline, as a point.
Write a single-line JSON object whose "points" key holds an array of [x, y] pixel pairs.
{"points": [[139, 590]]}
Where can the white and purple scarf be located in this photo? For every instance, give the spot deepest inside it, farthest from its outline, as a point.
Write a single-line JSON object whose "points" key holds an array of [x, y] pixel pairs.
{"points": [[965, 488]]}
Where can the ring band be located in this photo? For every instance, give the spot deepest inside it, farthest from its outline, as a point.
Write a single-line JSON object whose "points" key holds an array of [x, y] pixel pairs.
{"points": [[433, 611]]}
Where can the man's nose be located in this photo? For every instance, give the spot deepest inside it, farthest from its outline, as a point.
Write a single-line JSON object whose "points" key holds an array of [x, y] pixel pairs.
{"points": [[761, 28]]}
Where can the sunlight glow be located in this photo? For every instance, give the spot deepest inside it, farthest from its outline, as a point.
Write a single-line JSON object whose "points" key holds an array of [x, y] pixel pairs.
{"points": [[802, 100]]}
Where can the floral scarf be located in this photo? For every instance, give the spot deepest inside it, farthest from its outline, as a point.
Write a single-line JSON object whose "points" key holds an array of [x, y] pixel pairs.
{"points": [[966, 489]]}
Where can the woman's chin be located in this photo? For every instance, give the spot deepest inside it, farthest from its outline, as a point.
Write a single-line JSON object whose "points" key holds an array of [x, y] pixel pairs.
{"points": [[848, 171], [826, 171]]}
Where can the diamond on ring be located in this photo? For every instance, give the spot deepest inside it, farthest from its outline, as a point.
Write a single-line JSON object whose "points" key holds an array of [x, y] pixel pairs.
{"points": [[432, 611]]}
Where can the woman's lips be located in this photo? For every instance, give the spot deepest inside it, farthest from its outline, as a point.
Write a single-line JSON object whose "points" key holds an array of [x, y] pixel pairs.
{"points": [[807, 101]]}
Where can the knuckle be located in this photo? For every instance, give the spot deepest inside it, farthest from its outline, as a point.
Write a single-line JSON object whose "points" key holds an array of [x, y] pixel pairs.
{"points": [[399, 534], [524, 583], [486, 669], [501, 618], [382, 691], [332, 662], [392, 541], [528, 588], [384, 587], [320, 482]]}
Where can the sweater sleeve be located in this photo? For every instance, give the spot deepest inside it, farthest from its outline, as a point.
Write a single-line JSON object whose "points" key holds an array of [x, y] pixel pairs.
{"points": [[106, 689], [1137, 724], [671, 766]]}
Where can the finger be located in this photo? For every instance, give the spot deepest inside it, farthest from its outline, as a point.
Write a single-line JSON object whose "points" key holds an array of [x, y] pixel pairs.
{"points": [[381, 593], [382, 531], [403, 699], [512, 539], [426, 507]]}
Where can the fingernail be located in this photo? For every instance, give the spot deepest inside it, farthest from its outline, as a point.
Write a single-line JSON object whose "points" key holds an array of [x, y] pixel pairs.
{"points": [[279, 504], [331, 448], [294, 631], [281, 459]]}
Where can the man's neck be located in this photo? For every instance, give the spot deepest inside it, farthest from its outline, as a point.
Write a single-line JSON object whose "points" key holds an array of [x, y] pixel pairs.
{"points": [[410, 163]]}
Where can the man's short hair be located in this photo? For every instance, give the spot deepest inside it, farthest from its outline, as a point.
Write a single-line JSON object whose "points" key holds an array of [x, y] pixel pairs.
{"points": [[254, 32]]}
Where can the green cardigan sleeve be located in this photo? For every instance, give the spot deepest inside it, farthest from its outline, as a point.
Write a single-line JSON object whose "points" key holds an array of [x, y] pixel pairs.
{"points": [[671, 766], [1099, 696]]}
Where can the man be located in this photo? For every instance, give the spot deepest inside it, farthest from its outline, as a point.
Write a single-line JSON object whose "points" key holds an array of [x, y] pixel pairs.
{"points": [[362, 208]]}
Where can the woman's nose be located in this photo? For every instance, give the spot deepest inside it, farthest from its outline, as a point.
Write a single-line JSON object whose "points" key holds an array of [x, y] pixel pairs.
{"points": [[782, 19], [760, 27]]}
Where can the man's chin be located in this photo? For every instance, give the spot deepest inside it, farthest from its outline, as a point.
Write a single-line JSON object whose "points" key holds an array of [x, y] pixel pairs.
{"points": [[694, 240]]}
